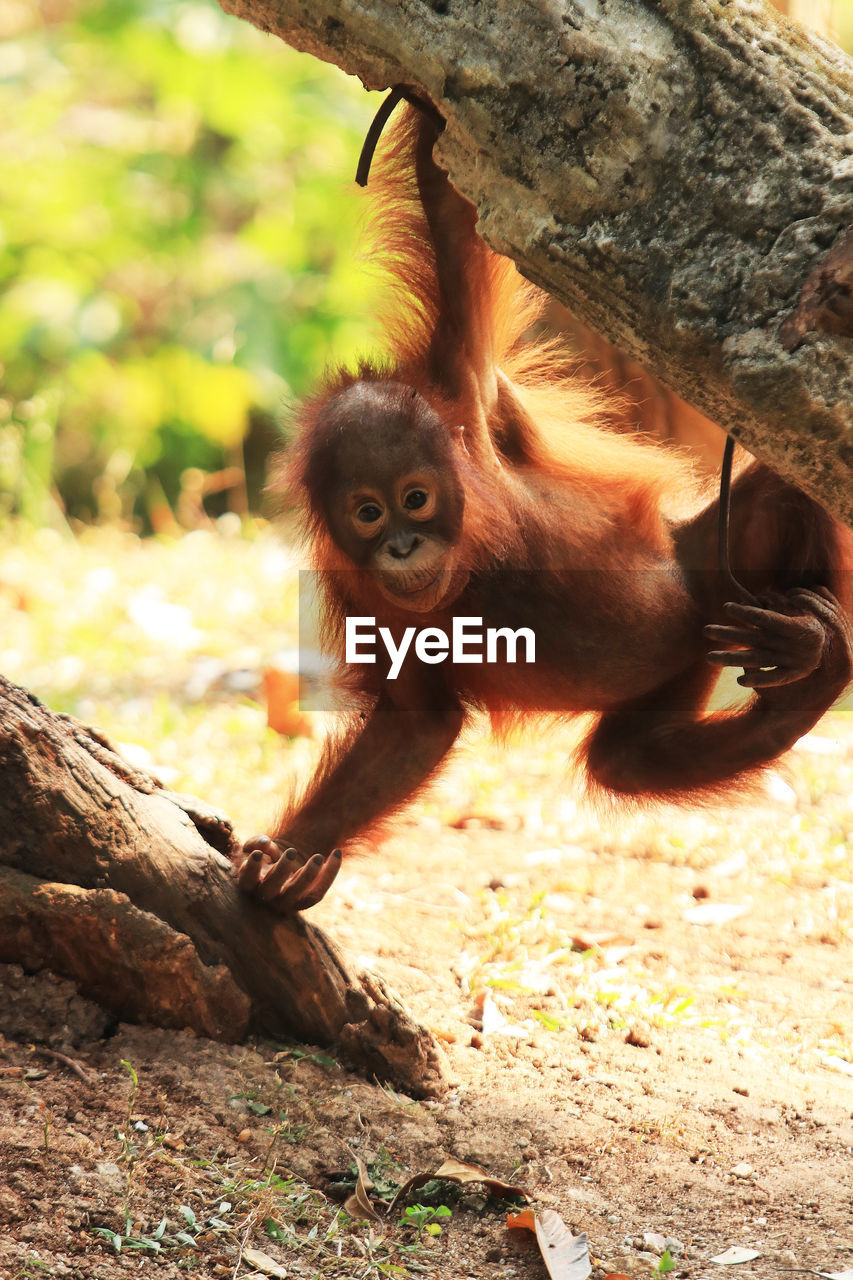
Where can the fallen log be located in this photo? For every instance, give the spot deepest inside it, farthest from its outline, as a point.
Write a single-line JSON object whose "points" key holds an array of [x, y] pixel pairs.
{"points": [[125, 888]]}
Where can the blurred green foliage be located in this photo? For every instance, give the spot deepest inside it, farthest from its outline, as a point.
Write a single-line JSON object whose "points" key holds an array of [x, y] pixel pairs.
{"points": [[178, 232]]}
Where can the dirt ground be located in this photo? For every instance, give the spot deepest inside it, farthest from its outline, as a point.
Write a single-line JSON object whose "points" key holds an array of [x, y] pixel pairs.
{"points": [[648, 1022]]}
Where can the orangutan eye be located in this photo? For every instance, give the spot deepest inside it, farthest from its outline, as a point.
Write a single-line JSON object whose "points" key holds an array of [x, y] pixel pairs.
{"points": [[369, 513], [414, 500]]}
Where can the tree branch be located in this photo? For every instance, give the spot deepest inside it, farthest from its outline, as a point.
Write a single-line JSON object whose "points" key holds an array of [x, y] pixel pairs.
{"points": [[679, 172]]}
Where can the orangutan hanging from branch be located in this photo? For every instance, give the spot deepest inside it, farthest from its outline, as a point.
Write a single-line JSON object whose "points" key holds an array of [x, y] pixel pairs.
{"points": [[472, 477]]}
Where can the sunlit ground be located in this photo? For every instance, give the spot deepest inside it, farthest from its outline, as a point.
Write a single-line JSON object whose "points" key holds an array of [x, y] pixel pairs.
{"points": [[140, 637]]}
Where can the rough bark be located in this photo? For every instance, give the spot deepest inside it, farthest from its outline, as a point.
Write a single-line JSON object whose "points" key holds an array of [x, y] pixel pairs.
{"points": [[110, 880], [678, 172]]}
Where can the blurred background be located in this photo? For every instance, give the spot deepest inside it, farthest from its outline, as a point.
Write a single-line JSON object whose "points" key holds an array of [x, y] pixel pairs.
{"points": [[177, 254]]}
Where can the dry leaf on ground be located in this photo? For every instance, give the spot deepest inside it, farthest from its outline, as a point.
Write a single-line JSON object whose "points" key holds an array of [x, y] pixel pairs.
{"points": [[566, 1256], [462, 1174], [358, 1204], [264, 1263], [735, 1255], [525, 1220]]}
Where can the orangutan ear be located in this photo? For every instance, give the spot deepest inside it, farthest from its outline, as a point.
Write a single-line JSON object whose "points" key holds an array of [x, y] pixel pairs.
{"points": [[458, 434]]}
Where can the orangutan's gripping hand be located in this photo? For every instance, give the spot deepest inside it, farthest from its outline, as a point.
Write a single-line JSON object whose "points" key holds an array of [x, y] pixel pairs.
{"points": [[801, 636], [281, 878]]}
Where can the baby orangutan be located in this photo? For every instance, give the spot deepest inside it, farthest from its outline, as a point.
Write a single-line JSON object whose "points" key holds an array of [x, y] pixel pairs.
{"points": [[472, 477]]}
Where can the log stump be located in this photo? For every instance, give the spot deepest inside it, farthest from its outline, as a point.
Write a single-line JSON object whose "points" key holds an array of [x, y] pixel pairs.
{"points": [[125, 888]]}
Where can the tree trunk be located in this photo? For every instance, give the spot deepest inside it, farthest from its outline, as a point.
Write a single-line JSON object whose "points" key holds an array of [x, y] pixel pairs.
{"points": [[678, 172], [110, 880]]}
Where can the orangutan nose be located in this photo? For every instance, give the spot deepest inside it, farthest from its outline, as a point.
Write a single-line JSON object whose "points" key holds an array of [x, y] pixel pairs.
{"points": [[403, 544]]}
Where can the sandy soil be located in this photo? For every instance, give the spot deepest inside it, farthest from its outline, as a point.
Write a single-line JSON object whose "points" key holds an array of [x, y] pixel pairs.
{"points": [[635, 1059]]}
